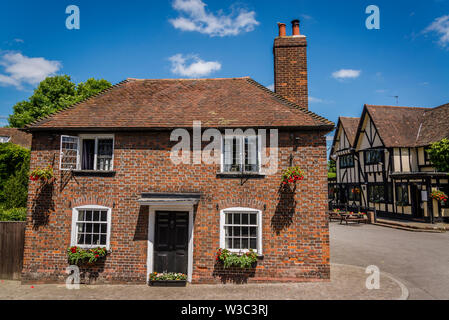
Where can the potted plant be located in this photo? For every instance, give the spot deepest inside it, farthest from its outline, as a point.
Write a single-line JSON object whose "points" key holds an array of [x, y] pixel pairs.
{"points": [[45, 175], [168, 279], [244, 260], [439, 196], [79, 256], [292, 175]]}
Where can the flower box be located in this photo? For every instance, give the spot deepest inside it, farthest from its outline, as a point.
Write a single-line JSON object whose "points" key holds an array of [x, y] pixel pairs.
{"points": [[168, 283], [244, 260], [167, 279]]}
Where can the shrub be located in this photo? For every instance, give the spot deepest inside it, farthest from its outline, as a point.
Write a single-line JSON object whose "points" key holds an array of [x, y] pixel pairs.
{"points": [[167, 276], [14, 161], [16, 189], [15, 214]]}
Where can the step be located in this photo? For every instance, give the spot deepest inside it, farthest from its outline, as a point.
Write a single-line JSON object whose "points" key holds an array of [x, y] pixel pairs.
{"points": [[401, 227]]}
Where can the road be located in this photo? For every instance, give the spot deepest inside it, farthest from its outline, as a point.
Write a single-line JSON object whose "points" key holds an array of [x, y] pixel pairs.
{"points": [[420, 260]]}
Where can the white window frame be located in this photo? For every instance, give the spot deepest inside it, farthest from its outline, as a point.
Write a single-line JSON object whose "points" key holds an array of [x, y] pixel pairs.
{"points": [[74, 233], [242, 151], [223, 213], [95, 137], [7, 139]]}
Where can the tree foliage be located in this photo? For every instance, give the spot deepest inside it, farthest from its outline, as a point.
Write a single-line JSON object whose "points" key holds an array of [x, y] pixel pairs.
{"points": [[331, 169], [439, 155], [14, 168], [53, 94]]}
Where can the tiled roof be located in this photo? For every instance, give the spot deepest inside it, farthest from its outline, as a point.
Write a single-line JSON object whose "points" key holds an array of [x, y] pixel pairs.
{"points": [[435, 126], [350, 126], [17, 137], [409, 126], [397, 126], [172, 103]]}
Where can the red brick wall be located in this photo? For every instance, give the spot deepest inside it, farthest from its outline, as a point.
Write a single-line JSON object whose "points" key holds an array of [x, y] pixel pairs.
{"points": [[295, 236], [290, 69]]}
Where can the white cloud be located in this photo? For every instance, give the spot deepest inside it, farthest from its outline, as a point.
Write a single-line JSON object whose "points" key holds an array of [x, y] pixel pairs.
{"points": [[197, 18], [20, 70], [346, 74], [315, 100], [271, 87], [441, 27], [196, 68]]}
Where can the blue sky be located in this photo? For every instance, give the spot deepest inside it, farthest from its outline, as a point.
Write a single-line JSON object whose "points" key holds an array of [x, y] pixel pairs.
{"points": [[408, 57]]}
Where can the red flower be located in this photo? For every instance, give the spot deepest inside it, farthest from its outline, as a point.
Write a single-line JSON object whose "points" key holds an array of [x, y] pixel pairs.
{"points": [[97, 256]]}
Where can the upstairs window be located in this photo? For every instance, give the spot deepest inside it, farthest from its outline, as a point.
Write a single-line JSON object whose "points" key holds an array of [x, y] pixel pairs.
{"points": [[347, 161], [241, 154], [373, 156], [87, 152], [4, 139]]}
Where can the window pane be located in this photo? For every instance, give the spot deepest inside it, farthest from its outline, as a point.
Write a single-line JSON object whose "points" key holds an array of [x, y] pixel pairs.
{"points": [[253, 219], [103, 240], [104, 215], [228, 231], [88, 239], [236, 243], [104, 228], [237, 219], [245, 243], [89, 227], [96, 215], [253, 231], [88, 216], [237, 231], [88, 154], [105, 154], [81, 215], [245, 218], [253, 244], [96, 239], [81, 227], [81, 238], [96, 228], [228, 218], [251, 154], [229, 243], [245, 231]]}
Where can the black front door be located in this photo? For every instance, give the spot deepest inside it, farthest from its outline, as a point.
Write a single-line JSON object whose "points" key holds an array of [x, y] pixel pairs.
{"points": [[415, 195], [171, 242]]}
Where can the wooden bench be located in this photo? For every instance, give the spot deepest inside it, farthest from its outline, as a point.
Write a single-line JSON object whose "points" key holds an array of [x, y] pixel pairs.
{"points": [[334, 216]]}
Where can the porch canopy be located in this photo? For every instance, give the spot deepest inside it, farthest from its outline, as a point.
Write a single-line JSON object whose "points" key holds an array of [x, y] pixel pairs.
{"points": [[418, 175], [147, 199]]}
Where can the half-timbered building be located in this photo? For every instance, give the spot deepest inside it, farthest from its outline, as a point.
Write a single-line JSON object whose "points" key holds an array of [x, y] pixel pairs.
{"points": [[391, 170]]}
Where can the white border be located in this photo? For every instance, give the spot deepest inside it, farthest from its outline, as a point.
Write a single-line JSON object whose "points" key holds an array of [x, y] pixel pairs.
{"points": [[242, 210], [73, 241], [151, 233]]}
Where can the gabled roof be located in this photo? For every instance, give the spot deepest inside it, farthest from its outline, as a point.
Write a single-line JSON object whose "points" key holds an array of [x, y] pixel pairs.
{"points": [[396, 126], [408, 126], [350, 126], [173, 103], [17, 137], [435, 126]]}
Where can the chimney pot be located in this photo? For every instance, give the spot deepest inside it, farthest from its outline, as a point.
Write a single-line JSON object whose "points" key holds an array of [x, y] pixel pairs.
{"points": [[282, 30], [295, 26]]}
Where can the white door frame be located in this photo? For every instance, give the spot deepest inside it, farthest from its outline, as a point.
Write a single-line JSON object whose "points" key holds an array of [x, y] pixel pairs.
{"points": [[151, 233]]}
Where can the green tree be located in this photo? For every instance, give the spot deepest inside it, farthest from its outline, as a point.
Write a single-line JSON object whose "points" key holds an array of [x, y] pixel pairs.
{"points": [[14, 165], [53, 94], [439, 155], [331, 169]]}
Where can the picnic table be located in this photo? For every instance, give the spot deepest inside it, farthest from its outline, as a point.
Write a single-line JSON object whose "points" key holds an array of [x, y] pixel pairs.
{"points": [[353, 218]]}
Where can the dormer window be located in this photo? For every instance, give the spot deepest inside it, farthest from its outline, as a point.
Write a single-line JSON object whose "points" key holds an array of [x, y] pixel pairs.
{"points": [[374, 156], [87, 153]]}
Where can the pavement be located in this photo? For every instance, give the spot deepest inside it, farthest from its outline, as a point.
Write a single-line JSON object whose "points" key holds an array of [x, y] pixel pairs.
{"points": [[348, 283], [419, 259], [413, 226]]}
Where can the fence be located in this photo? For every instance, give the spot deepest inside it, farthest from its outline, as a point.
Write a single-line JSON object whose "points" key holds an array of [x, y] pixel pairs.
{"points": [[12, 235]]}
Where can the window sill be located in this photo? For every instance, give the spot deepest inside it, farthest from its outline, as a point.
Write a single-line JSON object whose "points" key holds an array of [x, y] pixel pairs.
{"points": [[237, 175], [93, 173]]}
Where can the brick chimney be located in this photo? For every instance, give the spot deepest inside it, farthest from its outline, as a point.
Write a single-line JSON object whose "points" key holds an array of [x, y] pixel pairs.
{"points": [[290, 65]]}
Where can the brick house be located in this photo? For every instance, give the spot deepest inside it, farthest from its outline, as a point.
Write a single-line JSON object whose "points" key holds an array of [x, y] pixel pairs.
{"points": [[117, 187], [15, 136]]}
